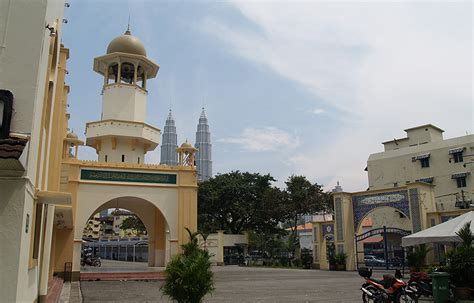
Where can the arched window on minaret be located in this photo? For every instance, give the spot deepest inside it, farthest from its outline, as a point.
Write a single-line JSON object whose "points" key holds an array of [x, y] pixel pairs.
{"points": [[112, 73], [140, 77], [127, 73]]}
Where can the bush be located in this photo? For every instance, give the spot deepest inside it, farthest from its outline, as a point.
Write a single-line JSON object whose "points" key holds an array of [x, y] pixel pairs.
{"points": [[340, 259], [306, 259], [189, 276], [297, 262]]}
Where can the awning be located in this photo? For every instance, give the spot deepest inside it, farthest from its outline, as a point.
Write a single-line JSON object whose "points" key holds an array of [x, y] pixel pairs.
{"points": [[373, 240], [441, 233], [53, 197], [426, 180], [460, 175], [423, 156], [456, 150]]}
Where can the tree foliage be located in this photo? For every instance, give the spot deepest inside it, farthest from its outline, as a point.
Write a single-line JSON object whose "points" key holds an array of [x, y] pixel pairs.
{"points": [[133, 223], [461, 259], [236, 201], [242, 201], [303, 198]]}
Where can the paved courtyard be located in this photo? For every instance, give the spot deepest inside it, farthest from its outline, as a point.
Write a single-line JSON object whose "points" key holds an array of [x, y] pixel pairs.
{"points": [[242, 284]]}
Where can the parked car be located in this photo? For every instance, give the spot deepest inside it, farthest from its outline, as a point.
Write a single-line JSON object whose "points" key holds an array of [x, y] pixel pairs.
{"points": [[373, 261], [395, 262]]}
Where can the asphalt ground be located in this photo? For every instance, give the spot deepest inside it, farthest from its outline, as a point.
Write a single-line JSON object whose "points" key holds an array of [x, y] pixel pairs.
{"points": [[242, 284]]}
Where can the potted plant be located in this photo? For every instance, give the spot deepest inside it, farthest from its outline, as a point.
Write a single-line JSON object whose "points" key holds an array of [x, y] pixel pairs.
{"points": [[416, 257], [331, 255], [461, 263], [341, 261]]}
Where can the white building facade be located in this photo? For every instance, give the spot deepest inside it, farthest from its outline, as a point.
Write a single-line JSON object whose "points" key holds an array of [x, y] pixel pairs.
{"points": [[424, 156], [30, 70]]}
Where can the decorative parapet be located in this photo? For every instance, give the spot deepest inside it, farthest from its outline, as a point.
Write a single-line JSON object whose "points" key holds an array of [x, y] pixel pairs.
{"points": [[94, 163]]}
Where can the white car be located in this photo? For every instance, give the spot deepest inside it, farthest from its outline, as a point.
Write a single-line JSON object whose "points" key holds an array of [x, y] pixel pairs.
{"points": [[373, 261]]}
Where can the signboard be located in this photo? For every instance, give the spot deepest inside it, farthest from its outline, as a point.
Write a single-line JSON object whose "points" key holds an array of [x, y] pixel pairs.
{"points": [[364, 204], [328, 232], [127, 176], [328, 229]]}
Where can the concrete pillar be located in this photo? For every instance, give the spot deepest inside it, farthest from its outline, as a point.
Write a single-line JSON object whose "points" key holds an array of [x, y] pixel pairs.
{"points": [[167, 247], [76, 259], [220, 248], [160, 239], [46, 254], [174, 247], [151, 250]]}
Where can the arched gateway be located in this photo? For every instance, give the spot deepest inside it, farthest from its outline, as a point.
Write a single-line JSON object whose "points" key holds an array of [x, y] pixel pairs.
{"points": [[163, 197], [368, 226]]}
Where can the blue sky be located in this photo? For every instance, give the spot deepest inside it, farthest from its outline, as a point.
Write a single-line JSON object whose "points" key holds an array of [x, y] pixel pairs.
{"points": [[289, 88]]}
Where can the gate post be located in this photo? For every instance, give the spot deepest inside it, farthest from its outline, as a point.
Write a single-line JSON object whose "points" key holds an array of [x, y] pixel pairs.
{"points": [[357, 252], [385, 246]]}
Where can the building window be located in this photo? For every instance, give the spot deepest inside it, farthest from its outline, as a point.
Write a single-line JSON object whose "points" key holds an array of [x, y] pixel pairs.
{"points": [[425, 162], [105, 158], [461, 181], [6, 109], [460, 178], [138, 160], [123, 158], [458, 157]]}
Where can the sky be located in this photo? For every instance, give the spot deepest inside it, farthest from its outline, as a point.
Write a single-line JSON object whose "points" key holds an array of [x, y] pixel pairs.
{"points": [[308, 88]]}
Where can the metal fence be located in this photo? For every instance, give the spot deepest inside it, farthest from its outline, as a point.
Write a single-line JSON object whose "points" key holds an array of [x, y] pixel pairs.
{"points": [[130, 250], [383, 251]]}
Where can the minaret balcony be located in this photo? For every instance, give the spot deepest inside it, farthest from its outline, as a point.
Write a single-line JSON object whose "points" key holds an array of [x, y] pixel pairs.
{"points": [[142, 132]]}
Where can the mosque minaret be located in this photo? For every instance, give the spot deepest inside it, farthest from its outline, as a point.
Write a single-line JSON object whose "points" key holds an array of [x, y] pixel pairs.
{"points": [[169, 144], [122, 134]]}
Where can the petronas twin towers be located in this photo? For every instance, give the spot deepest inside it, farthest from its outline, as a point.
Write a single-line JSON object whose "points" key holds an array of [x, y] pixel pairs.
{"points": [[169, 156]]}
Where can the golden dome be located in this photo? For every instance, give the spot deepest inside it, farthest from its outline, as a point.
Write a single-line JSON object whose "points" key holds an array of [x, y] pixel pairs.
{"points": [[127, 43], [186, 145], [71, 135]]}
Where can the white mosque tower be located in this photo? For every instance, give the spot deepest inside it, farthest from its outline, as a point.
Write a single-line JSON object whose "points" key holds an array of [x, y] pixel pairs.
{"points": [[204, 147], [169, 156], [122, 134]]}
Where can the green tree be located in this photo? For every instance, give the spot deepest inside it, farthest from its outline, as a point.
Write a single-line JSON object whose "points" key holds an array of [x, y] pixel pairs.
{"points": [[461, 259], [133, 223], [238, 201], [302, 198], [189, 276]]}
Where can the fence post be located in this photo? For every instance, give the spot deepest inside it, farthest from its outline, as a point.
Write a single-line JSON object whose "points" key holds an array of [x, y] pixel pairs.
{"points": [[67, 272], [385, 246]]}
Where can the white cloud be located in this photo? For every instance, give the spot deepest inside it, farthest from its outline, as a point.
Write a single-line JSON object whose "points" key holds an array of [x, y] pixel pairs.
{"points": [[384, 66], [264, 139], [317, 111]]}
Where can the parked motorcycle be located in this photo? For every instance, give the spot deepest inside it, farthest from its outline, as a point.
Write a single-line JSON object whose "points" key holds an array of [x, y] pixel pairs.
{"points": [[91, 261], [88, 259], [390, 289], [420, 283]]}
